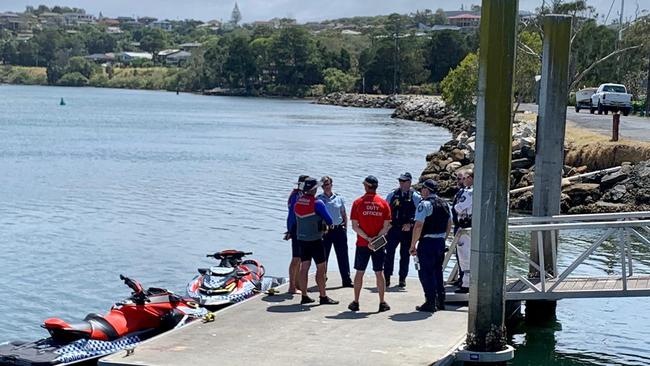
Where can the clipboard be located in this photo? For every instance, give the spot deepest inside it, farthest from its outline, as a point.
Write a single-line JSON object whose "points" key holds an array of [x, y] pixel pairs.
{"points": [[379, 243]]}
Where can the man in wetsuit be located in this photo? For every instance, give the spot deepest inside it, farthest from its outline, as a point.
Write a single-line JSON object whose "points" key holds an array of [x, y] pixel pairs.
{"points": [[290, 234], [403, 202], [312, 220]]}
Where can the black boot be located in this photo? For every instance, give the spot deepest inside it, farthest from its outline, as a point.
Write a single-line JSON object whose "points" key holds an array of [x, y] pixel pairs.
{"points": [[440, 303], [428, 306], [387, 281]]}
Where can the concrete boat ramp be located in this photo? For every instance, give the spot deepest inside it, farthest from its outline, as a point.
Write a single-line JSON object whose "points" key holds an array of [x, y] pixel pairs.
{"points": [[280, 331]]}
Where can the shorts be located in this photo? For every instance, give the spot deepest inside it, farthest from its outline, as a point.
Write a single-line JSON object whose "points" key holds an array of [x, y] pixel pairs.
{"points": [[312, 250], [295, 248], [362, 256]]}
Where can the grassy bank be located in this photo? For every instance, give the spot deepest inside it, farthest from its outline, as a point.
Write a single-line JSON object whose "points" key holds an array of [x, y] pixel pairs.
{"points": [[152, 78], [23, 75], [594, 150]]}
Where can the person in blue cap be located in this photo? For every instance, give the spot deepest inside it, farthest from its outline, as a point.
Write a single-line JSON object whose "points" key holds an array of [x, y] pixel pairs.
{"points": [[312, 221], [403, 202], [432, 227], [337, 236]]}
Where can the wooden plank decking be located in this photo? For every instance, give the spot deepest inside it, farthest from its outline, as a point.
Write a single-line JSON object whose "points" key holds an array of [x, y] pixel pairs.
{"points": [[586, 287]]}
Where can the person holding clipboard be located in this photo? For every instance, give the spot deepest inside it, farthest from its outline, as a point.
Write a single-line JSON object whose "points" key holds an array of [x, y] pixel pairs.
{"points": [[371, 217]]}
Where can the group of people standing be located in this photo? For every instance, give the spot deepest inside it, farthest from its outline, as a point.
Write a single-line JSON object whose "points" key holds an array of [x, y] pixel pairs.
{"points": [[418, 223]]}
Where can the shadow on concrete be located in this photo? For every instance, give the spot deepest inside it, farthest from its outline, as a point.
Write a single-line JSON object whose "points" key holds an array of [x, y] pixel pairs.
{"points": [[278, 297], [410, 317], [394, 289], [350, 315], [293, 308]]}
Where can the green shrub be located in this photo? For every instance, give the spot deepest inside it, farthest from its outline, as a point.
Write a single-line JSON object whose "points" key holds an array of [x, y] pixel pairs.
{"points": [[572, 99], [460, 86], [99, 80], [338, 81], [73, 79]]}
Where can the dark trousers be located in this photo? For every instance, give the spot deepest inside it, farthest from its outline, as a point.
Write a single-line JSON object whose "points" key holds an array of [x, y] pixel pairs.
{"points": [[397, 237], [338, 237], [431, 253]]}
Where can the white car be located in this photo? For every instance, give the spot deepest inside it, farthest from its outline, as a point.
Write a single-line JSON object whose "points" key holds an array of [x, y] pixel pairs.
{"points": [[611, 97]]}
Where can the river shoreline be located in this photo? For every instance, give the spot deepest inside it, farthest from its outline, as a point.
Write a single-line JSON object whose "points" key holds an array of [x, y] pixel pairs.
{"points": [[627, 189]]}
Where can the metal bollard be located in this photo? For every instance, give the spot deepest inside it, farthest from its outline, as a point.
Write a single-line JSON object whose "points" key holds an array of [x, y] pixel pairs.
{"points": [[616, 121]]}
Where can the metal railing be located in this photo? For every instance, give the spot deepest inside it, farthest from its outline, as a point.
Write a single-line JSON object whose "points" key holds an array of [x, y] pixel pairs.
{"points": [[618, 226]]}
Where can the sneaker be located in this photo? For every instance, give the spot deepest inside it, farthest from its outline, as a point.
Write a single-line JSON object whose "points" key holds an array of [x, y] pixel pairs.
{"points": [[327, 301], [402, 283], [426, 307], [354, 306], [462, 290], [348, 284], [383, 306], [306, 300], [387, 282]]}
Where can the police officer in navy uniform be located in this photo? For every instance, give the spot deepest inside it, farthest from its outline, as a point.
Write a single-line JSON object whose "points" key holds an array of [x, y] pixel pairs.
{"points": [[432, 226], [403, 202]]}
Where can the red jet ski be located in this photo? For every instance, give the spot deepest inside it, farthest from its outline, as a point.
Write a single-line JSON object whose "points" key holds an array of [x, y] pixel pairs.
{"points": [[145, 314]]}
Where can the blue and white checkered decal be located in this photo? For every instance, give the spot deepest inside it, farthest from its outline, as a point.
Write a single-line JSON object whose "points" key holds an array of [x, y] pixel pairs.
{"points": [[89, 348]]}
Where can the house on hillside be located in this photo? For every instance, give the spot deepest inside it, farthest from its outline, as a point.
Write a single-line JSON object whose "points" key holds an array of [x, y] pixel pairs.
{"points": [[127, 57], [162, 24], [213, 25], [178, 58], [73, 19], [189, 46], [114, 30], [161, 56], [465, 20], [109, 22], [147, 20], [101, 58], [49, 19]]}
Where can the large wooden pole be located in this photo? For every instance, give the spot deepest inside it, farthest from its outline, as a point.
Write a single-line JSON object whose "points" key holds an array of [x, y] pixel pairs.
{"points": [[549, 159], [492, 183], [647, 93]]}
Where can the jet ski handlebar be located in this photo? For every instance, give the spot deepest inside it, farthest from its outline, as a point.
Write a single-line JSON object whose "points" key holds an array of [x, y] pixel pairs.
{"points": [[133, 285]]}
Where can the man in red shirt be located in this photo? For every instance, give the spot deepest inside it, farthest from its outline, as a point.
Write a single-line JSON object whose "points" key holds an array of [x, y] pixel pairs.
{"points": [[370, 216]]}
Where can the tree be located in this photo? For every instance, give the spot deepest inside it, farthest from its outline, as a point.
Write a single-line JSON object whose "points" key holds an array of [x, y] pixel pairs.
{"points": [[9, 53], [439, 17], [73, 79], [153, 40], [291, 50], [444, 51], [527, 66], [80, 65], [235, 16], [459, 88], [239, 65], [338, 81]]}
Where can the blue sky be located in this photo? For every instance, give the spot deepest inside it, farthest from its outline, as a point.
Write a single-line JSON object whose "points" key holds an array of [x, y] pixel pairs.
{"points": [[303, 10]]}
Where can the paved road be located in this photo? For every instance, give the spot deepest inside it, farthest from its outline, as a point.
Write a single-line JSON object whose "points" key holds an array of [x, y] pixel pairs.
{"points": [[632, 127]]}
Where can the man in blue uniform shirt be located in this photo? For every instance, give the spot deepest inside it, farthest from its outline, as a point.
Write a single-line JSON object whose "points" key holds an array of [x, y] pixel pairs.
{"points": [[337, 236], [403, 202], [432, 226]]}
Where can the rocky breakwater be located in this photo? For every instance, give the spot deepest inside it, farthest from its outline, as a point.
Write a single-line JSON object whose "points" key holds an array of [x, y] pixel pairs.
{"points": [[625, 189], [361, 100]]}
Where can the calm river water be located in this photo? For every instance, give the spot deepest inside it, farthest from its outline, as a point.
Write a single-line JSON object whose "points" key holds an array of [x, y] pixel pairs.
{"points": [[146, 183]]}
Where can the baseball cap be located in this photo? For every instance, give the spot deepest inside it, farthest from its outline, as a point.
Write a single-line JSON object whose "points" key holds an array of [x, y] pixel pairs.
{"points": [[372, 181], [309, 184], [431, 185], [406, 176]]}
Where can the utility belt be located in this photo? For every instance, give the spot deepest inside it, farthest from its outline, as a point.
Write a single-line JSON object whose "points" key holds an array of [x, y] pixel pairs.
{"points": [[435, 236], [339, 226]]}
